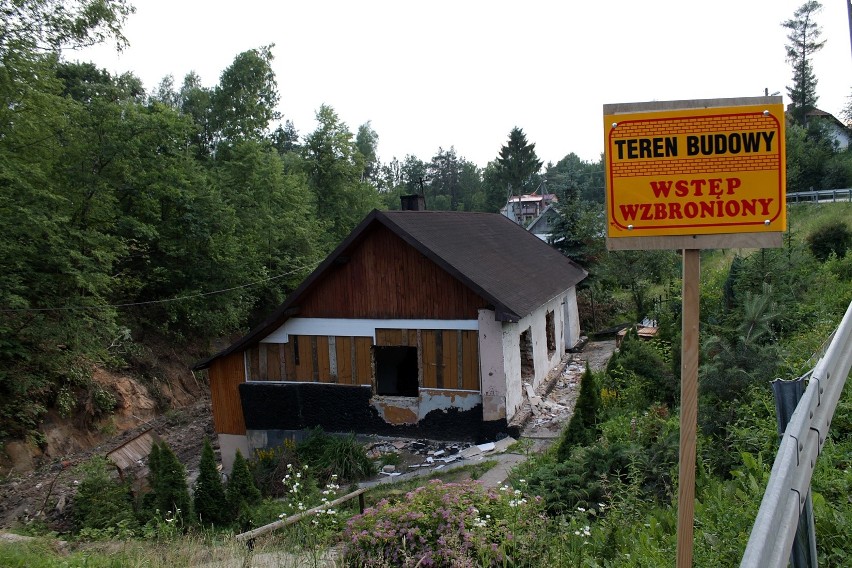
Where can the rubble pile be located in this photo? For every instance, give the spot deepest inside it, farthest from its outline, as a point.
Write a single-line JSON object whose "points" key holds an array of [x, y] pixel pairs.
{"points": [[547, 410], [428, 455]]}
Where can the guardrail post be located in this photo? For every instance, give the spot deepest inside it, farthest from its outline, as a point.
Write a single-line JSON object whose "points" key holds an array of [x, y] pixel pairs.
{"points": [[787, 395]]}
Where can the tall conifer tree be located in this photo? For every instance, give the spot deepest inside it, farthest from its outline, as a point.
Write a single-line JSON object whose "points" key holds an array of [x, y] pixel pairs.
{"points": [[804, 43], [517, 163]]}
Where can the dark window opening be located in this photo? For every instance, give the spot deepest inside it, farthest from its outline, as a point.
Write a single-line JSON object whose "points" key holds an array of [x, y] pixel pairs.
{"points": [[527, 364], [550, 331], [396, 371]]}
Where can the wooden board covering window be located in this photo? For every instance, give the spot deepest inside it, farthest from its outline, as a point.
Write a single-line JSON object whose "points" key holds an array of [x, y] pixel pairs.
{"points": [[450, 359], [354, 359], [225, 375]]}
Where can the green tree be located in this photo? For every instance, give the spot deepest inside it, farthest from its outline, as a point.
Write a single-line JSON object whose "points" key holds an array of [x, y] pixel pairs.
{"points": [[38, 26], [637, 272], [737, 359], [286, 138], [195, 101], [517, 164], [57, 253], [245, 101], [809, 151], [209, 502], [102, 502], [573, 176], [367, 144], [334, 168], [804, 41], [276, 229], [168, 483], [413, 175], [582, 426], [444, 175], [242, 493]]}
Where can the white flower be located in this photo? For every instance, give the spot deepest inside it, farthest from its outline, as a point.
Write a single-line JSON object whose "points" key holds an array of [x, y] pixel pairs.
{"points": [[517, 491], [581, 509]]}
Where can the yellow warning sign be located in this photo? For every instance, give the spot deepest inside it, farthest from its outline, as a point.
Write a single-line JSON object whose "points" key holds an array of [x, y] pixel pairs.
{"points": [[696, 171]]}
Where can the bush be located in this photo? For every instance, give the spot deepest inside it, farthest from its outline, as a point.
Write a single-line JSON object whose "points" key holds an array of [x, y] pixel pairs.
{"points": [[449, 524], [832, 238], [103, 505], [581, 481], [340, 456], [640, 372]]}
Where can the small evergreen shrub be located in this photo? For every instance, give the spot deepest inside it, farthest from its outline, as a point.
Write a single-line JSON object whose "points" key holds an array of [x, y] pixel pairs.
{"points": [[209, 501], [103, 505], [581, 480], [167, 479], [582, 426], [241, 491]]}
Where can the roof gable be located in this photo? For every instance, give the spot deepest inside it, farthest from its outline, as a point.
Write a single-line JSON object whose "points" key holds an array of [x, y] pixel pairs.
{"points": [[496, 258]]}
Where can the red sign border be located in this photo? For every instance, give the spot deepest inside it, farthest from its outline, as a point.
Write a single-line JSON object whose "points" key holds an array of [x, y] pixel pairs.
{"points": [[687, 118]]}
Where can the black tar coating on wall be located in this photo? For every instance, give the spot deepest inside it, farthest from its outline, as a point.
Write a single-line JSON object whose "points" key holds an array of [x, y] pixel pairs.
{"points": [[346, 408]]}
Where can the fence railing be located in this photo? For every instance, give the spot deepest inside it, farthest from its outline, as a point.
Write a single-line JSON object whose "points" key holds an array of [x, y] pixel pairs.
{"points": [[820, 195], [772, 536], [252, 534]]}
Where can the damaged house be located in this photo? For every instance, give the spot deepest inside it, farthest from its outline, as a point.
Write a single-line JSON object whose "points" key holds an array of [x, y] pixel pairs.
{"points": [[420, 323]]}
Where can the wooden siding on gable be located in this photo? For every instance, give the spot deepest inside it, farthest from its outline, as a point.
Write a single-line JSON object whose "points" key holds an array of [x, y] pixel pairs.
{"points": [[383, 277], [225, 376]]}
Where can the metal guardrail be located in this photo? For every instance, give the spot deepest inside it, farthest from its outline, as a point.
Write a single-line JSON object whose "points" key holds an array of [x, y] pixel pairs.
{"points": [[820, 195], [774, 528]]}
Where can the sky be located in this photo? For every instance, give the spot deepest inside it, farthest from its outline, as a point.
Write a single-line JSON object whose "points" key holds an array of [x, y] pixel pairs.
{"points": [[463, 73]]}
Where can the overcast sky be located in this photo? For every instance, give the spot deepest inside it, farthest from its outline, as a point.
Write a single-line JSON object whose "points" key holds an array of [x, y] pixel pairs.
{"points": [[462, 73]]}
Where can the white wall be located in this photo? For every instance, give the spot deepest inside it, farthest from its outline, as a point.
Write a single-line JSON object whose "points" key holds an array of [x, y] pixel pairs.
{"points": [[492, 374], [542, 360], [228, 446], [357, 327], [571, 318]]}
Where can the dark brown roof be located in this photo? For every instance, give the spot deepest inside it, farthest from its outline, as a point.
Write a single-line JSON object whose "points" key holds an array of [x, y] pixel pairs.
{"points": [[499, 260]]}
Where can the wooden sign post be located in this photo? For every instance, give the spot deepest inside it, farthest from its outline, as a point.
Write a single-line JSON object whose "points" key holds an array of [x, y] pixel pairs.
{"points": [[688, 406], [692, 175]]}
